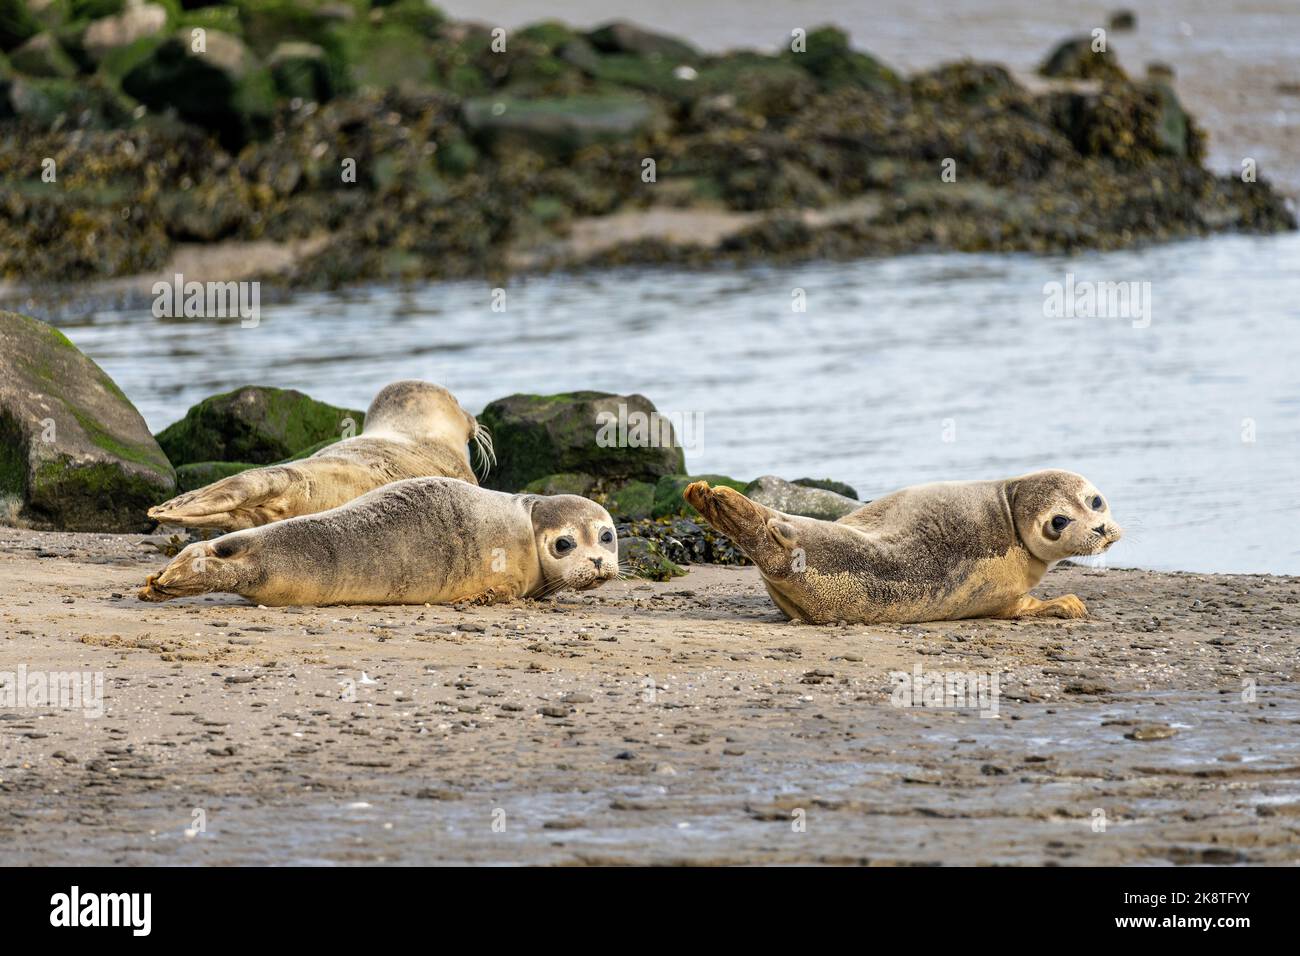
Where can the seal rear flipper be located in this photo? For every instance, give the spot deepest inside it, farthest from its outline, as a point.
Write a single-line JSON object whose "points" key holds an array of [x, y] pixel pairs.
{"points": [[245, 500]]}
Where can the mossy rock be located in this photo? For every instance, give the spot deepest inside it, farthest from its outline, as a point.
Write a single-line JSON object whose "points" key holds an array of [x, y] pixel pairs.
{"points": [[623, 37], [828, 57], [631, 501], [223, 88], [1075, 59], [302, 70], [556, 127], [254, 424], [385, 57], [668, 498], [579, 432], [42, 56], [644, 559], [74, 452], [17, 24], [417, 16]]}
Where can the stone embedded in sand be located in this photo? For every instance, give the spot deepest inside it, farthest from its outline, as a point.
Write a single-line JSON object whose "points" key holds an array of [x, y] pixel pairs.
{"points": [[792, 499], [75, 454], [613, 438], [255, 424]]}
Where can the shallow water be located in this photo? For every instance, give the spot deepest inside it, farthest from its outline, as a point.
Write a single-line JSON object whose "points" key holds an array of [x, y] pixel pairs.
{"points": [[901, 371]]}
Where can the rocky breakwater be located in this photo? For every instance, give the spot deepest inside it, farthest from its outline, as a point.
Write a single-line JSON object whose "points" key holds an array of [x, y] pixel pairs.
{"points": [[382, 140]]}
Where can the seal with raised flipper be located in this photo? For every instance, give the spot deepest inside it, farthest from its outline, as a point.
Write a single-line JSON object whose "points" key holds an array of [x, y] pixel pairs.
{"points": [[934, 552], [417, 541], [413, 429]]}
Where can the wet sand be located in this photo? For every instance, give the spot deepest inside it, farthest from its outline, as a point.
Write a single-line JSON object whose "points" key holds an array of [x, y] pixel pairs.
{"points": [[642, 723]]}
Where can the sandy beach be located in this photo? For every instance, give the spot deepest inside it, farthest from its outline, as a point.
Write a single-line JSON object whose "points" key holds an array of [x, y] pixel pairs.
{"points": [[642, 723]]}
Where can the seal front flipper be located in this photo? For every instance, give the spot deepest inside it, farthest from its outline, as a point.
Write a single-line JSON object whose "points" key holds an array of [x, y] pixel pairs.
{"points": [[245, 500], [1066, 606]]}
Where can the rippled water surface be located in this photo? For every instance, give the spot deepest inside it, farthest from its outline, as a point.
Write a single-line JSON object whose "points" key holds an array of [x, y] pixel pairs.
{"points": [[892, 358]]}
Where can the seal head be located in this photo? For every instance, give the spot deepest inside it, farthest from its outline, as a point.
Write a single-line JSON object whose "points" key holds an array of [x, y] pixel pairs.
{"points": [[1059, 515], [577, 546]]}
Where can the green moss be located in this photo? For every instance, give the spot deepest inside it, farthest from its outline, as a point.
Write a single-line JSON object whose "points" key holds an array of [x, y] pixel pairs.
{"points": [[99, 496], [253, 424], [632, 501], [13, 457]]}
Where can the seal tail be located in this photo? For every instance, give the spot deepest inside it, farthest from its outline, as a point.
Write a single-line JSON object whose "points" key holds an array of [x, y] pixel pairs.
{"points": [[198, 569], [245, 500]]}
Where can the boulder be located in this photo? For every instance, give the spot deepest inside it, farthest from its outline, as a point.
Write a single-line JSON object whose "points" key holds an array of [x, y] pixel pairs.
{"points": [[42, 56], [793, 499], [623, 37], [612, 438], [222, 88], [834, 64], [1075, 59], [254, 424], [75, 455], [668, 498], [135, 22], [1122, 20], [556, 127], [301, 70], [839, 487]]}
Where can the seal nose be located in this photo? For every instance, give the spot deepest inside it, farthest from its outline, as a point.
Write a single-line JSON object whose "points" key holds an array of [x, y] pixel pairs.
{"points": [[1100, 529], [597, 562]]}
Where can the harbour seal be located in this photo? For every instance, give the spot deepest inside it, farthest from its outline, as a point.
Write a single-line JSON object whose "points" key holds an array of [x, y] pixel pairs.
{"points": [[935, 552], [417, 541], [413, 429]]}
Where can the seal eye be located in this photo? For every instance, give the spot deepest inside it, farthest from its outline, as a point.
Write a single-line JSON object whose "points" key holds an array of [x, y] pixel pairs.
{"points": [[1059, 523], [564, 545], [606, 536], [1096, 502]]}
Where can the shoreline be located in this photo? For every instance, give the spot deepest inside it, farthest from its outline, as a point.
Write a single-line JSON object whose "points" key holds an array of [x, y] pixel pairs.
{"points": [[643, 722]]}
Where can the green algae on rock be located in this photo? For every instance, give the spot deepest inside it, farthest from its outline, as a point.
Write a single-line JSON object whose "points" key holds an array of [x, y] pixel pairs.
{"points": [[613, 438], [75, 455], [255, 424]]}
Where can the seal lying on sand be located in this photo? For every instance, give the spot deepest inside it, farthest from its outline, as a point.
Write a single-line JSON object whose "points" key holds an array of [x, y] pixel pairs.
{"points": [[934, 552], [418, 541], [413, 429]]}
